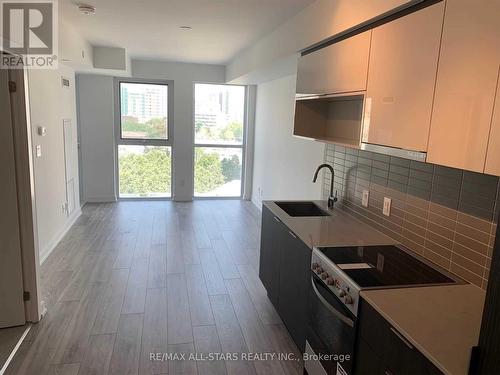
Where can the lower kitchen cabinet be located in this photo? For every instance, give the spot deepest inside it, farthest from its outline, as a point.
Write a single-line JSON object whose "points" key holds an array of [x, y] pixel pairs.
{"points": [[367, 360], [284, 271], [295, 260], [273, 230], [381, 349]]}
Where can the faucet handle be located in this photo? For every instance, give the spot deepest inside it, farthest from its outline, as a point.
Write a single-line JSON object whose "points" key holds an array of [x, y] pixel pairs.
{"points": [[334, 198]]}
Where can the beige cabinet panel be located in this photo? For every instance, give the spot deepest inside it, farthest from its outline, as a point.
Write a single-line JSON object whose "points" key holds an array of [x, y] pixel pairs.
{"points": [[340, 67], [401, 79], [492, 165], [466, 84]]}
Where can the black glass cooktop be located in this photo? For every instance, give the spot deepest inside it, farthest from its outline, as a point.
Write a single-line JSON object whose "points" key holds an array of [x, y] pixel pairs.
{"points": [[383, 266]]}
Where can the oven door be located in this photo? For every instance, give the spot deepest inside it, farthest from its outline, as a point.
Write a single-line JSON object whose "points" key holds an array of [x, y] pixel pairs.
{"points": [[331, 333]]}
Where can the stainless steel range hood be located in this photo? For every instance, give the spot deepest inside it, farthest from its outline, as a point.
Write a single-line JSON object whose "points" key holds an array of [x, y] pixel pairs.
{"points": [[393, 151]]}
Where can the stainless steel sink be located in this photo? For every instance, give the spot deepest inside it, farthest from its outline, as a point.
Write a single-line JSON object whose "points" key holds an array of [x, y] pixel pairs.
{"points": [[304, 209]]}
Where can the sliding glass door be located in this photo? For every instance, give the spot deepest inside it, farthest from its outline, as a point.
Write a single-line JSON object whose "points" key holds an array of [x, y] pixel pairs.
{"points": [[144, 144], [219, 128]]}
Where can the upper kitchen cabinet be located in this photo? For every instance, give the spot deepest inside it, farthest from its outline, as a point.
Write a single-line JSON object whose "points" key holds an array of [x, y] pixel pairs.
{"points": [[465, 87], [401, 79], [492, 165], [337, 68]]}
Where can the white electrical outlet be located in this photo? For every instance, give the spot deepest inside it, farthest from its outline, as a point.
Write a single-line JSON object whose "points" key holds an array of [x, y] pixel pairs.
{"points": [[366, 196], [387, 206]]}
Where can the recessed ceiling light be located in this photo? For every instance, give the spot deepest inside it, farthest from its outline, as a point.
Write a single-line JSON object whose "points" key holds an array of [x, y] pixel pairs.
{"points": [[86, 9], [185, 28]]}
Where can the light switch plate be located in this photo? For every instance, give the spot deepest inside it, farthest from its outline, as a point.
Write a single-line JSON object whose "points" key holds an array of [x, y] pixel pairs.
{"points": [[387, 206], [366, 196], [38, 151]]}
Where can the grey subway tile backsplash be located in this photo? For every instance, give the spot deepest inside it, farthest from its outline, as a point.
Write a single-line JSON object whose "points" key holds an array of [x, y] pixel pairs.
{"points": [[444, 214]]}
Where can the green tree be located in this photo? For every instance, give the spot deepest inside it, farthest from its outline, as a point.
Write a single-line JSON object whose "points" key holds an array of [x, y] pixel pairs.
{"points": [[150, 172], [207, 171], [145, 173], [231, 168], [198, 126], [154, 128], [232, 132]]}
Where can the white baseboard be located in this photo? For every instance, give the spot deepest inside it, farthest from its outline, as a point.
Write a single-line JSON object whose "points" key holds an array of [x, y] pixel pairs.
{"points": [[47, 250], [257, 203]]}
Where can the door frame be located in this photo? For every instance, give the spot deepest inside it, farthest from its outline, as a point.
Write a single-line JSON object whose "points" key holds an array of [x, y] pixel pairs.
{"points": [[25, 180]]}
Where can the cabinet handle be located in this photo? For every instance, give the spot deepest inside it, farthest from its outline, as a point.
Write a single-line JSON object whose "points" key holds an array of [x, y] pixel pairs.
{"points": [[278, 220], [405, 341], [388, 372], [292, 234]]}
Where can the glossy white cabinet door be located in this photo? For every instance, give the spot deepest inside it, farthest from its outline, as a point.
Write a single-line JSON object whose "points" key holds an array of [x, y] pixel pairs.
{"points": [[401, 79], [338, 68], [492, 165], [466, 84]]}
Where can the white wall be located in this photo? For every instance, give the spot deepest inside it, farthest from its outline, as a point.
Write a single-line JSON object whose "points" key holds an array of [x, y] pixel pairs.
{"points": [[73, 47], [96, 116], [283, 164], [318, 21], [50, 103]]}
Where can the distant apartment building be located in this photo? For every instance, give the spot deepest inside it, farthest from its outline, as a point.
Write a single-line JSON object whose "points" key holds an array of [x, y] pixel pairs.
{"points": [[213, 106], [144, 102]]}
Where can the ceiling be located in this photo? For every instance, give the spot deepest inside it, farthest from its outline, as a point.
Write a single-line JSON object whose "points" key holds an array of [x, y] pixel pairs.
{"points": [[150, 28]]}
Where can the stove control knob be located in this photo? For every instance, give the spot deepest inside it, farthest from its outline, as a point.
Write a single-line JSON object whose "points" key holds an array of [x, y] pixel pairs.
{"points": [[319, 270], [315, 265], [348, 300], [324, 275], [342, 293], [330, 281]]}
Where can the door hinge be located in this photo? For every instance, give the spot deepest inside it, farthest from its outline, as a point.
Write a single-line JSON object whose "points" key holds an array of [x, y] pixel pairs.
{"points": [[12, 86], [26, 296]]}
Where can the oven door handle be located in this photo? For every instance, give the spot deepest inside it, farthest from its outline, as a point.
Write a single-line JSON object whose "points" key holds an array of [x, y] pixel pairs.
{"points": [[332, 309]]}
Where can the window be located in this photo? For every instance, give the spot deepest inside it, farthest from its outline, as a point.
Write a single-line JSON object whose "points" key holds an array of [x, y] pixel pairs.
{"points": [[143, 111], [144, 148], [219, 140]]}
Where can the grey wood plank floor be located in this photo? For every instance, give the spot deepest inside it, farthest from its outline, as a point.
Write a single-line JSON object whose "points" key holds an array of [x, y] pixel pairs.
{"points": [[131, 279]]}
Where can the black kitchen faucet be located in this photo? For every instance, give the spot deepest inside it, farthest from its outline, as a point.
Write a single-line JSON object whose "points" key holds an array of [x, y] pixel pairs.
{"points": [[331, 198]]}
